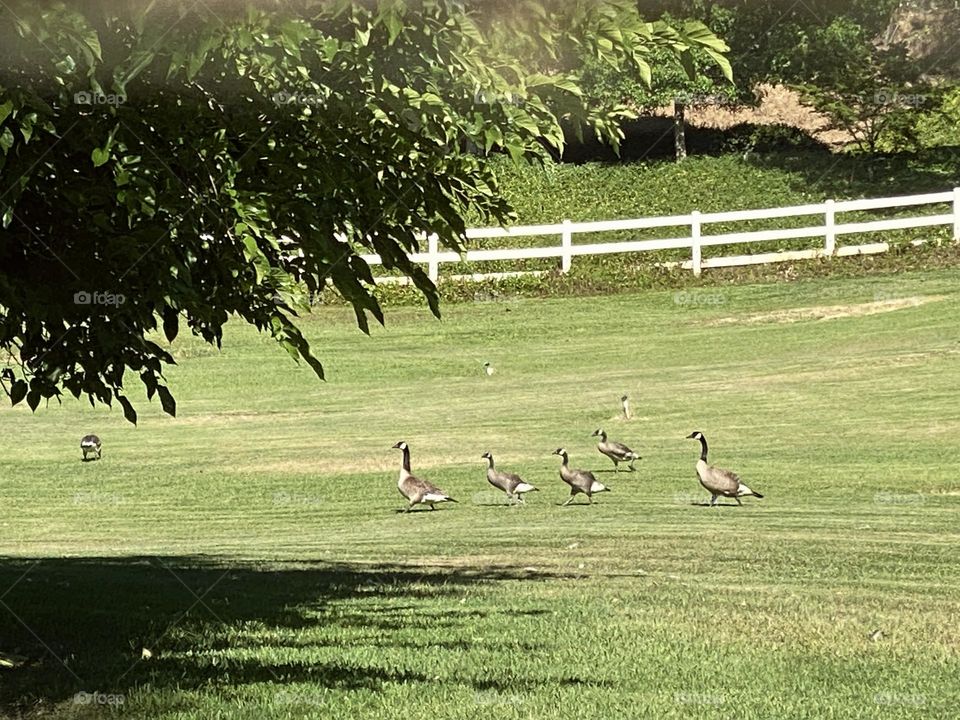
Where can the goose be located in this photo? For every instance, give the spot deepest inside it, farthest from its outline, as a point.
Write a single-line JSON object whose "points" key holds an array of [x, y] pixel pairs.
{"points": [[716, 480], [615, 451], [90, 444], [580, 481], [511, 484], [415, 490], [625, 403]]}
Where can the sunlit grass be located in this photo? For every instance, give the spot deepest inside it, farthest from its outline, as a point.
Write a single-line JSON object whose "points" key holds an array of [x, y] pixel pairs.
{"points": [[252, 544]]}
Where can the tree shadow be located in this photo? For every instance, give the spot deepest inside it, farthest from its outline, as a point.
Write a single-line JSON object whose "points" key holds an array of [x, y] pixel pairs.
{"points": [[850, 175], [82, 624], [813, 166]]}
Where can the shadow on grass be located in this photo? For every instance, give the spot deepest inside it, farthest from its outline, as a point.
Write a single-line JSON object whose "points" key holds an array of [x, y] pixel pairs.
{"points": [[81, 624]]}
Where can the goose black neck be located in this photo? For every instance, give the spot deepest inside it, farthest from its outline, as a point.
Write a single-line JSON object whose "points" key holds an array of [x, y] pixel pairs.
{"points": [[490, 460], [406, 459], [703, 448]]}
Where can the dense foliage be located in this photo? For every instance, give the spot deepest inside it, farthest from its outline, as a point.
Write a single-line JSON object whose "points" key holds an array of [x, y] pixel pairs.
{"points": [[178, 165]]}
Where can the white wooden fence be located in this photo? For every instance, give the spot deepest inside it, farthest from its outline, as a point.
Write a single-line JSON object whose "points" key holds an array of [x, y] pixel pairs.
{"points": [[829, 229]]}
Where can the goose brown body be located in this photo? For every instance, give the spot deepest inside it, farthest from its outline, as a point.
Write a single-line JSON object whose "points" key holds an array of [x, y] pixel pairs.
{"points": [[718, 481], [617, 452], [416, 490], [580, 481], [513, 485]]}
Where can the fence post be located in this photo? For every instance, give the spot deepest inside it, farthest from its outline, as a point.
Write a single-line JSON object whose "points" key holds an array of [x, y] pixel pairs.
{"points": [[433, 249], [956, 214], [697, 257], [566, 242], [830, 234]]}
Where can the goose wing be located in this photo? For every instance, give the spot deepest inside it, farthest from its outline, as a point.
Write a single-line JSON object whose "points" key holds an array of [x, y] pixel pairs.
{"points": [[512, 480], [417, 489], [583, 480], [620, 450], [499, 480], [718, 480]]}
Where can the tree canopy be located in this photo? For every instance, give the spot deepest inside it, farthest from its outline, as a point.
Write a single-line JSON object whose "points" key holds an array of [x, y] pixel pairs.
{"points": [[179, 164]]}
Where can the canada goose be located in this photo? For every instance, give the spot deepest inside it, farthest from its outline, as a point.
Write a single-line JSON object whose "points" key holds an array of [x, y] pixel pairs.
{"points": [[511, 484], [415, 490], [580, 481], [488, 369], [90, 444], [625, 403], [716, 480], [617, 452]]}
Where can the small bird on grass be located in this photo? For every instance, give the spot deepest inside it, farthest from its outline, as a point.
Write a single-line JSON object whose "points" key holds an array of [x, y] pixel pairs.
{"points": [[488, 369], [90, 444]]}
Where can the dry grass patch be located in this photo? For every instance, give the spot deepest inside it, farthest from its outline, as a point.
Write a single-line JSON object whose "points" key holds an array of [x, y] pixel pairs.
{"points": [[829, 312]]}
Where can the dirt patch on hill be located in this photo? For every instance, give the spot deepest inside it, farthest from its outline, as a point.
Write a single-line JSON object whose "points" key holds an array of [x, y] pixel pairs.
{"points": [[829, 312], [778, 106]]}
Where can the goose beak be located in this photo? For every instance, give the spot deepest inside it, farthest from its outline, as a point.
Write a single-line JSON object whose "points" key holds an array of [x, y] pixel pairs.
{"points": [[692, 435], [398, 445], [594, 433]]}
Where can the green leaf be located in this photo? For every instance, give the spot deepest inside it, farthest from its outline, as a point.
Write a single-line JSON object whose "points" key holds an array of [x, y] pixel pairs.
{"points": [[5, 110], [643, 67], [128, 412], [167, 402], [18, 391], [394, 25], [696, 32], [6, 140], [568, 85], [722, 61], [171, 323], [99, 156]]}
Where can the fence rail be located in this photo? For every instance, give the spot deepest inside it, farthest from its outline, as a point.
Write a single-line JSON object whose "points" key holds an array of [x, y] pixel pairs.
{"points": [[829, 230]]}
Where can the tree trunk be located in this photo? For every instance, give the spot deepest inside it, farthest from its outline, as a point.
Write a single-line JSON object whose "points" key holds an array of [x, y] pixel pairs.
{"points": [[679, 130]]}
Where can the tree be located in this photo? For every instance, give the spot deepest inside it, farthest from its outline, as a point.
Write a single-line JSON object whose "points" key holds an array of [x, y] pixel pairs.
{"points": [[700, 76], [174, 167], [875, 93]]}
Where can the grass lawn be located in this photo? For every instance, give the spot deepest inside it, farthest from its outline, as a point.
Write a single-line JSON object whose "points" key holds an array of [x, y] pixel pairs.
{"points": [[252, 545]]}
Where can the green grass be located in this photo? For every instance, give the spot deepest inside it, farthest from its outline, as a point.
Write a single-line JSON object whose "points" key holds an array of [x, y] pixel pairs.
{"points": [[253, 545]]}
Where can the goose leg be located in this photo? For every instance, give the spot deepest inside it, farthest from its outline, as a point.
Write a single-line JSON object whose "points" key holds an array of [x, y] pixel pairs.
{"points": [[616, 466], [570, 499], [713, 501], [432, 506], [738, 501]]}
